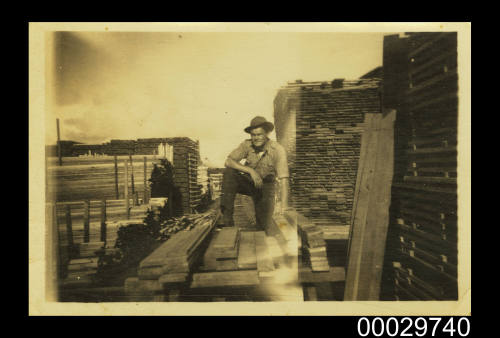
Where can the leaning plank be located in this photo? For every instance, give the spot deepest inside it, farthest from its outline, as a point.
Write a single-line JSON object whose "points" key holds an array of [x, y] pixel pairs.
{"points": [[247, 258], [371, 217], [225, 278]]}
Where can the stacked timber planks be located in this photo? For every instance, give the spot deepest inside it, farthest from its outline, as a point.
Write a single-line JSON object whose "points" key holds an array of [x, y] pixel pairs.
{"points": [[224, 250], [216, 184], [424, 196], [313, 243], [320, 126], [148, 146], [186, 155], [171, 263], [121, 147], [84, 178], [203, 178]]}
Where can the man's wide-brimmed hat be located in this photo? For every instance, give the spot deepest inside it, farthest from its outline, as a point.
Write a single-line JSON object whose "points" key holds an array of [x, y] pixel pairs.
{"points": [[260, 121]]}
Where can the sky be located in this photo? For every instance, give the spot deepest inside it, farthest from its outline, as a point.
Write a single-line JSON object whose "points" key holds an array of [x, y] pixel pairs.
{"points": [[206, 86]]}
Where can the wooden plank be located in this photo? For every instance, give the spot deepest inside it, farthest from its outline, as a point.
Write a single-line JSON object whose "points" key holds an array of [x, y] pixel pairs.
{"points": [[125, 187], [428, 179], [103, 220], [378, 214], [358, 223], [310, 293], [69, 226], [264, 259], [334, 274], [247, 258], [209, 259], [226, 243], [427, 45], [86, 219], [336, 232], [372, 216], [225, 278], [53, 253], [182, 250], [116, 178], [173, 278], [226, 264]]}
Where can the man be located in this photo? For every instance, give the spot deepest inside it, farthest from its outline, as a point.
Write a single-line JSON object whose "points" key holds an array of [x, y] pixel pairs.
{"points": [[265, 162]]}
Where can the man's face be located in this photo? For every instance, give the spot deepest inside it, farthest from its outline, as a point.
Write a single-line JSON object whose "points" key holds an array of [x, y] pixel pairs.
{"points": [[259, 136]]}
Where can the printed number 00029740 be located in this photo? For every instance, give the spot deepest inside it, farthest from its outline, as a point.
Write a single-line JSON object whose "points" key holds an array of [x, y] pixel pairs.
{"points": [[407, 327]]}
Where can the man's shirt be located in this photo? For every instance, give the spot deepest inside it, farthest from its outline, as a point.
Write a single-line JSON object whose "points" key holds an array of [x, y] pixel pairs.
{"points": [[273, 161]]}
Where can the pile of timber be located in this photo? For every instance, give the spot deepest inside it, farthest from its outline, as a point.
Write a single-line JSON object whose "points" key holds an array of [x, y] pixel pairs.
{"points": [[172, 262], [232, 251], [313, 244], [423, 236], [203, 178], [120, 147], [320, 126], [186, 155], [84, 178], [148, 145], [216, 184], [87, 149]]}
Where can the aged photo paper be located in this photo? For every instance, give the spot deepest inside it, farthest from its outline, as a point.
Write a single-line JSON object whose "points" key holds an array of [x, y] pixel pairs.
{"points": [[249, 169]]}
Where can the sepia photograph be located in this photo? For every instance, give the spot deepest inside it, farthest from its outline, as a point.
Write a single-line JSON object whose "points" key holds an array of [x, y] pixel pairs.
{"points": [[249, 168]]}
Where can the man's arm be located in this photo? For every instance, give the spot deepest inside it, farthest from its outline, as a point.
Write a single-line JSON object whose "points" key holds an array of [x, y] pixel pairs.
{"points": [[284, 186], [283, 175], [230, 163]]}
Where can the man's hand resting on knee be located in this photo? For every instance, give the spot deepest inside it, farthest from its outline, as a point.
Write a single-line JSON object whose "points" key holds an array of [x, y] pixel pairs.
{"points": [[257, 180]]}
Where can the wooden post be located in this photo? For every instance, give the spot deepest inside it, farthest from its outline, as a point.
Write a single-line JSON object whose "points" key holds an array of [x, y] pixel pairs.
{"points": [[69, 227], [116, 178], [103, 220], [145, 201], [86, 221], [127, 210], [132, 174], [53, 261], [59, 150]]}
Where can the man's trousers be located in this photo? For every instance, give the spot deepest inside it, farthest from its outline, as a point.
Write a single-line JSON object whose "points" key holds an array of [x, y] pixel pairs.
{"points": [[234, 182]]}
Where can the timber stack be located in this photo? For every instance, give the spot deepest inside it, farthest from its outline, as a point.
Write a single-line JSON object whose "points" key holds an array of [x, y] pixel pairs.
{"points": [[84, 178], [215, 182], [320, 125], [171, 263], [148, 145], [421, 77], [121, 147], [186, 155], [313, 244]]}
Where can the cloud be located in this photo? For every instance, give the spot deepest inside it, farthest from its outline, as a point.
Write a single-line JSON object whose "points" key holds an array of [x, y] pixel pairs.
{"points": [[206, 86]]}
